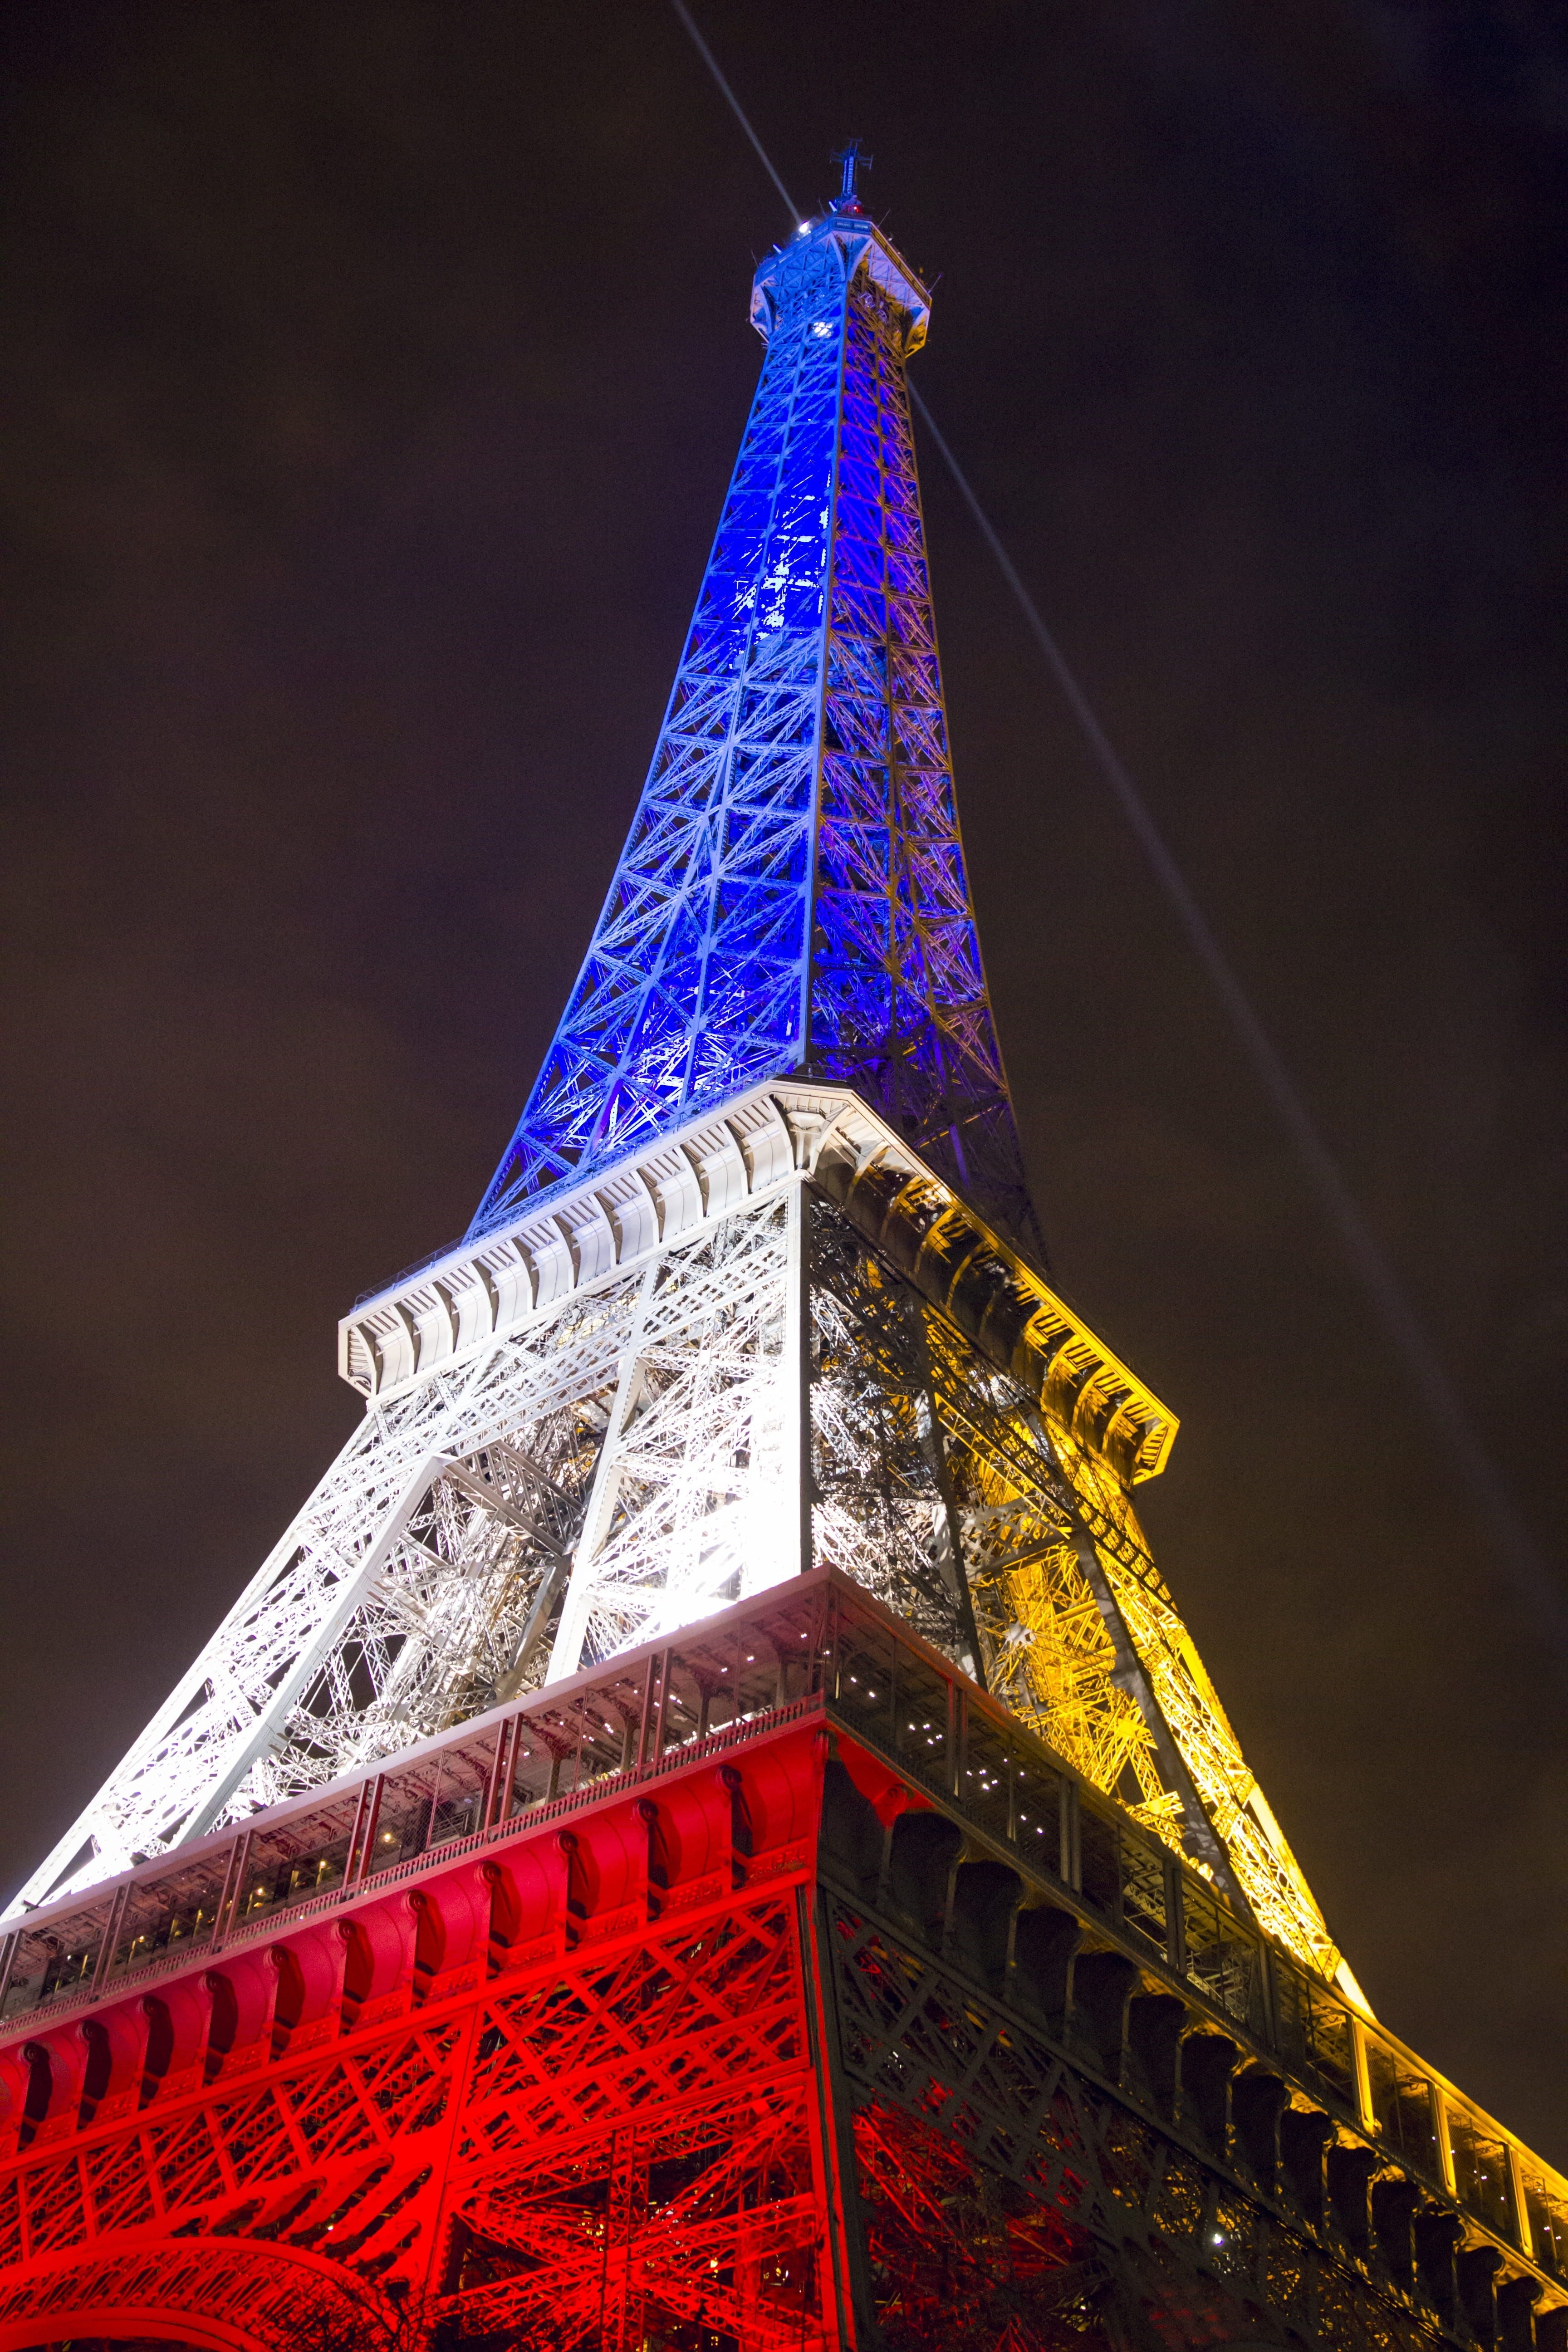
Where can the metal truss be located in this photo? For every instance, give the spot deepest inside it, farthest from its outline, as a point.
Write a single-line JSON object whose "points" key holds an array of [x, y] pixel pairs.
{"points": [[576, 2141], [1052, 2149], [584, 2057], [792, 893], [1180, 1696], [690, 1506], [883, 1505], [697, 2173]]}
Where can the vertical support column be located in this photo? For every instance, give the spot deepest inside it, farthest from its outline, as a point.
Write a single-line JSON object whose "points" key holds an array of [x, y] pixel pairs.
{"points": [[497, 1791], [567, 1656], [1273, 1999], [1176, 1940], [796, 1370], [234, 1886], [1363, 2079], [446, 2189], [113, 1924], [656, 1693], [1440, 2133], [621, 2298], [1072, 1866], [365, 1823]]}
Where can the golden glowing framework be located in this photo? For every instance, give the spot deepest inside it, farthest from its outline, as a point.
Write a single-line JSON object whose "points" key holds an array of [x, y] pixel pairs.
{"points": [[1081, 1635]]}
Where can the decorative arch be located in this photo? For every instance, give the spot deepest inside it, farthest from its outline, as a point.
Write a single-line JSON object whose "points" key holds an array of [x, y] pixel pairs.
{"points": [[237, 2297]]}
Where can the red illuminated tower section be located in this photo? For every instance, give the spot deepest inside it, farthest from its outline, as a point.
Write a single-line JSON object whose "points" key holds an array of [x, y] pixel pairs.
{"points": [[709, 1833]]}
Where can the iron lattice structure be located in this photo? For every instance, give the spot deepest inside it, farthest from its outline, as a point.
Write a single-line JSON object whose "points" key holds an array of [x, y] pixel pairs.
{"points": [[709, 1833], [793, 895], [759, 1389]]}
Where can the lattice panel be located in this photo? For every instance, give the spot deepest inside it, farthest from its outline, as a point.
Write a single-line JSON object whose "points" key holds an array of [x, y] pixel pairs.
{"points": [[637, 2082], [669, 2021], [410, 1585], [358, 2120], [707, 2218], [615, 2150], [1097, 2218], [352, 1602], [882, 1509], [634, 2153], [959, 2258]]}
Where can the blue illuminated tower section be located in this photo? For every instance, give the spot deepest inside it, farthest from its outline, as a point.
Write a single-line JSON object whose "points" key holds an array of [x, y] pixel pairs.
{"points": [[792, 897]]}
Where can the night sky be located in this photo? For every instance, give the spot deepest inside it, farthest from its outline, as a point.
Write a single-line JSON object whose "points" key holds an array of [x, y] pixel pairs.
{"points": [[372, 377]]}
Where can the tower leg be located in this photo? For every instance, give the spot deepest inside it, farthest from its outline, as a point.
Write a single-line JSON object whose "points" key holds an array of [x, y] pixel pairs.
{"points": [[849, 2303]]}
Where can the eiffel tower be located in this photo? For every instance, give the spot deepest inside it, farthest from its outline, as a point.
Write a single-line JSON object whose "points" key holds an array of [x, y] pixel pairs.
{"points": [[709, 1833]]}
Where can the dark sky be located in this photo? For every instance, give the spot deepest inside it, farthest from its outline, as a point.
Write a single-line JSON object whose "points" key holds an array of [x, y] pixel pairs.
{"points": [[372, 374]]}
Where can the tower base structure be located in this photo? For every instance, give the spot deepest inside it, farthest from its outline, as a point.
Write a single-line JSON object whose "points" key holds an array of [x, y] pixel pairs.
{"points": [[769, 1988]]}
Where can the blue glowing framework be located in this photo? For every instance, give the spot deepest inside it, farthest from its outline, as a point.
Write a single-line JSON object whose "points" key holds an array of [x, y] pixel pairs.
{"points": [[793, 896]]}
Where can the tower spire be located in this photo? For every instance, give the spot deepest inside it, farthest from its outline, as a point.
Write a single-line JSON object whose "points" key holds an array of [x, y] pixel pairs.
{"points": [[853, 158], [793, 896]]}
